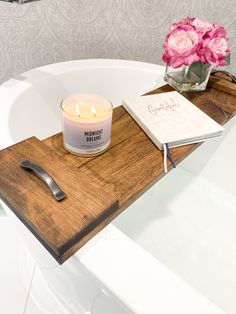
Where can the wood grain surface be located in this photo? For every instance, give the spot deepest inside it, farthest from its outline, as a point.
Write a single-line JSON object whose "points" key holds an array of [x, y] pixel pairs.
{"points": [[133, 163], [60, 226], [222, 82], [130, 166]]}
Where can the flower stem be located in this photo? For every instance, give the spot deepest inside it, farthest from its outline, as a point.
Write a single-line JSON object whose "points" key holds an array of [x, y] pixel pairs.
{"points": [[185, 73]]}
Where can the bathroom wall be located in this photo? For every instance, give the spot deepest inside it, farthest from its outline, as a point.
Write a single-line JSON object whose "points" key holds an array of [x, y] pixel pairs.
{"points": [[47, 31]]}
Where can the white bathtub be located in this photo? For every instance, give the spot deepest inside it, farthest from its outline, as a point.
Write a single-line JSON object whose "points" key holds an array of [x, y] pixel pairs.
{"points": [[173, 250]]}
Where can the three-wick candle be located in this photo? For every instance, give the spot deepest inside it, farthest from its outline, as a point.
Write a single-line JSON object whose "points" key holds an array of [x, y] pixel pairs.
{"points": [[87, 120]]}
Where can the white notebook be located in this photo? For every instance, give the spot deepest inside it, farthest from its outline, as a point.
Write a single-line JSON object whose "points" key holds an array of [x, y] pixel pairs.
{"points": [[169, 118]]}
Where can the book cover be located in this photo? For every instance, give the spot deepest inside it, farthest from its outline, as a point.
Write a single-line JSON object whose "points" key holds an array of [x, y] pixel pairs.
{"points": [[169, 118]]}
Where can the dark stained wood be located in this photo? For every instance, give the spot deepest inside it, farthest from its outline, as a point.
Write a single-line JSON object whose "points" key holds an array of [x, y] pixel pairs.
{"points": [[223, 83], [130, 166], [60, 226], [133, 163]]}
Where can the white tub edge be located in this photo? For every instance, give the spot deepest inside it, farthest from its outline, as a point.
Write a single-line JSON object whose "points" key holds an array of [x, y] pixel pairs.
{"points": [[137, 279]]}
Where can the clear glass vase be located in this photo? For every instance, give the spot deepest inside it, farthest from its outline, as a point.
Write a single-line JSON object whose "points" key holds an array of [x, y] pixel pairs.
{"points": [[190, 78]]}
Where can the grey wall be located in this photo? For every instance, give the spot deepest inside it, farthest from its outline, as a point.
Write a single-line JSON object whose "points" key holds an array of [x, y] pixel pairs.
{"points": [[50, 31]]}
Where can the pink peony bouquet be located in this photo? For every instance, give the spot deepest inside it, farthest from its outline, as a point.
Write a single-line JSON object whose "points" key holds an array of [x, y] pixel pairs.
{"points": [[192, 40]]}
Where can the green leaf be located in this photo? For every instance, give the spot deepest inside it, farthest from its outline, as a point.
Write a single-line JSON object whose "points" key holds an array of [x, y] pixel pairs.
{"points": [[227, 59]]}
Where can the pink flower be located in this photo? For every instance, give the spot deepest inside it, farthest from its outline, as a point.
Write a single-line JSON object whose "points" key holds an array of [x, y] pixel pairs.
{"points": [[185, 21], [215, 52], [192, 40], [181, 46], [215, 47], [202, 26]]}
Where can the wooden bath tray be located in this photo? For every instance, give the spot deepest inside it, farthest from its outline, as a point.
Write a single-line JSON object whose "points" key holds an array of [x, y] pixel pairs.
{"points": [[98, 188]]}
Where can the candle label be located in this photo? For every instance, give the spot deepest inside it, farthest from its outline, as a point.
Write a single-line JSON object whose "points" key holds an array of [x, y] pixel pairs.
{"points": [[87, 136], [93, 136]]}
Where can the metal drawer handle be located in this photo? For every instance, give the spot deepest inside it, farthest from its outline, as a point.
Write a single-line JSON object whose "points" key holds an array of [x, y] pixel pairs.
{"points": [[45, 177], [233, 77]]}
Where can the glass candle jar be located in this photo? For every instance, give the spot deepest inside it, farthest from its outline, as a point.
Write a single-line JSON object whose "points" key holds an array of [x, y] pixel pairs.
{"points": [[87, 120]]}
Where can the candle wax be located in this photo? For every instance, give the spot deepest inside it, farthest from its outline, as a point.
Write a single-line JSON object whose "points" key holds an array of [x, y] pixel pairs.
{"points": [[87, 127]]}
